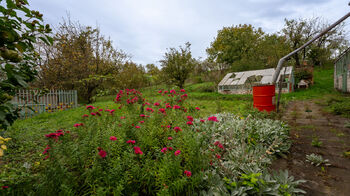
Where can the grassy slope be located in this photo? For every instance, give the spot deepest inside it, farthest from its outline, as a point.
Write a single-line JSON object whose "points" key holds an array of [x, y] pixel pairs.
{"points": [[30, 131]]}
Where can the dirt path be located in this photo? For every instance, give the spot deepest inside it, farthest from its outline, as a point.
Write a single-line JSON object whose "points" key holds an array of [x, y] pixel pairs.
{"points": [[309, 123]]}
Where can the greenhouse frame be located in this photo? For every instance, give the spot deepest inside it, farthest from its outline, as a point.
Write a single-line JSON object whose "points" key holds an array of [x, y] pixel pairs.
{"points": [[242, 82], [342, 72]]}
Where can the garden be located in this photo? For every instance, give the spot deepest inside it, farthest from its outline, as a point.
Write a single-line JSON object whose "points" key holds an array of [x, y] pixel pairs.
{"points": [[162, 145]]}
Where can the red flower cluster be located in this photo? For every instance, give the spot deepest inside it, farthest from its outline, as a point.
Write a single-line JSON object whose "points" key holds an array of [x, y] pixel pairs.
{"points": [[85, 115], [162, 110], [55, 135], [218, 144], [177, 152], [46, 150], [213, 118], [113, 138], [189, 123], [101, 152], [78, 124], [130, 142], [164, 150], [156, 104], [177, 107], [188, 173], [150, 109], [137, 150], [190, 118], [90, 107], [177, 129]]}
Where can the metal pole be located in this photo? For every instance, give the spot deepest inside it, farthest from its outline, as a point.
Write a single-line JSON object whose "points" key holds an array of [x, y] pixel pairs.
{"points": [[281, 61]]}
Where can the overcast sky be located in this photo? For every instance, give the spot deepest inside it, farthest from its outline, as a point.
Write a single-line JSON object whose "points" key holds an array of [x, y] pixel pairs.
{"points": [[146, 28]]}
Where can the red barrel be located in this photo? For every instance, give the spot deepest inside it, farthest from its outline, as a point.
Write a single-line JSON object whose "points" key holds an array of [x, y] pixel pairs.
{"points": [[264, 97]]}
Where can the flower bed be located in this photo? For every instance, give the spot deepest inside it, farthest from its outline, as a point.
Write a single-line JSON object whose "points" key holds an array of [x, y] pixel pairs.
{"points": [[162, 147]]}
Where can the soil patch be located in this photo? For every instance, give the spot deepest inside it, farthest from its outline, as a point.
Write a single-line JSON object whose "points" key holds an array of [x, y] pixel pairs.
{"points": [[308, 124]]}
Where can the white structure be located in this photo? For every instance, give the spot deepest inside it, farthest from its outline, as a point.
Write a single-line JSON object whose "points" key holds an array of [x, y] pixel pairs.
{"points": [[242, 82]]}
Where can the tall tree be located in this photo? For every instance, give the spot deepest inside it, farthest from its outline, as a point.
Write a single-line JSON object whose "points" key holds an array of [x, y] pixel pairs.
{"points": [[298, 31], [80, 58], [20, 29], [178, 64], [232, 44]]}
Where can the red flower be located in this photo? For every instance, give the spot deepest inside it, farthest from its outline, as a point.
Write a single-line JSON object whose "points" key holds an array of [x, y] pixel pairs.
{"points": [[130, 142], [189, 123], [216, 143], [190, 118], [102, 153], [197, 108], [165, 92], [213, 118], [141, 121], [177, 129], [5, 187], [177, 152], [169, 126], [46, 149], [168, 106], [137, 127], [52, 135], [78, 124], [218, 156], [100, 110], [170, 138], [202, 120], [182, 90], [93, 114], [177, 107], [142, 115], [90, 107], [170, 148], [188, 173], [150, 109], [85, 115], [172, 91], [156, 104], [164, 150], [113, 138], [137, 150], [162, 110], [160, 91]]}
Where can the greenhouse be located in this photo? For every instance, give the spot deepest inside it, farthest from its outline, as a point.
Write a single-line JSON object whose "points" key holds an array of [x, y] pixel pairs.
{"points": [[342, 72], [242, 82]]}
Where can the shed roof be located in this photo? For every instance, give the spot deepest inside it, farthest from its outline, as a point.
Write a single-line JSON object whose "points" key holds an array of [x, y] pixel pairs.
{"points": [[239, 78]]}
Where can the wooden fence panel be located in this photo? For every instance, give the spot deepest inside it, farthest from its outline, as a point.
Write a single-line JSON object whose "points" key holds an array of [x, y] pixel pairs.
{"points": [[32, 102]]}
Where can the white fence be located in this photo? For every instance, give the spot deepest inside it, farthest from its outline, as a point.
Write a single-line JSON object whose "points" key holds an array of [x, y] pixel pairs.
{"points": [[32, 102]]}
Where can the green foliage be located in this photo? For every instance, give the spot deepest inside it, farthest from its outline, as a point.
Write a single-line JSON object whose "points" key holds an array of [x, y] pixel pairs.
{"points": [[75, 167], [298, 31], [83, 59], [339, 105], [178, 64], [245, 48], [20, 29], [316, 142], [317, 160]]}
